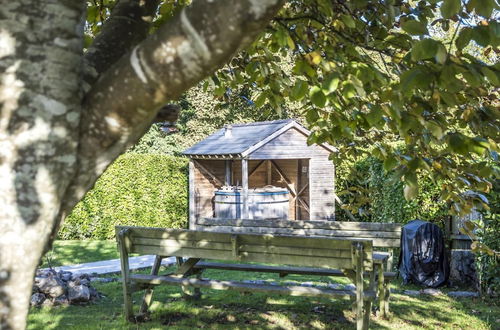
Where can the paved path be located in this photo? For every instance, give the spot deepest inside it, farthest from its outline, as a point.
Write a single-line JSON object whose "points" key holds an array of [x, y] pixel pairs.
{"points": [[113, 266]]}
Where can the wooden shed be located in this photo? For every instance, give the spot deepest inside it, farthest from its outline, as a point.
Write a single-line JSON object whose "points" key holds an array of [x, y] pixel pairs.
{"points": [[262, 170]]}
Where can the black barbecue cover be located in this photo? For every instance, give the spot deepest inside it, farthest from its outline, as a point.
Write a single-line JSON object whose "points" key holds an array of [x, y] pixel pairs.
{"points": [[422, 259]]}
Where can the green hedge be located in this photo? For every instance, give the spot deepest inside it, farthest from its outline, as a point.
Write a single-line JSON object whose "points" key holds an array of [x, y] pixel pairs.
{"points": [[137, 189], [375, 196]]}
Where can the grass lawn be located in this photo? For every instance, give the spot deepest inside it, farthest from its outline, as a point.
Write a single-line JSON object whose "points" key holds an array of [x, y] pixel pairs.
{"points": [[230, 309], [77, 252]]}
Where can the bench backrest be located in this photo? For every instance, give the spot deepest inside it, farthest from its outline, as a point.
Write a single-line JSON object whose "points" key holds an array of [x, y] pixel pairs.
{"points": [[383, 235], [337, 253]]}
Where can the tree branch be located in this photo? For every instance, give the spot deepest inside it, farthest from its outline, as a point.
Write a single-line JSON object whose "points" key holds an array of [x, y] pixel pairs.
{"points": [[128, 24], [124, 101]]}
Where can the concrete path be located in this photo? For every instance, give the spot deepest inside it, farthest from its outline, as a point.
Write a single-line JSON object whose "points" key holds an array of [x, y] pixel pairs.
{"points": [[113, 266]]}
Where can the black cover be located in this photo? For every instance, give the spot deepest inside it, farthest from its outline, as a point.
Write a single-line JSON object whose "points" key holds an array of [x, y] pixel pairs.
{"points": [[422, 259]]}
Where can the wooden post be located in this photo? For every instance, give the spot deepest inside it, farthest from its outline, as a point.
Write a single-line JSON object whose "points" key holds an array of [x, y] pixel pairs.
{"points": [[358, 253], [299, 183], [227, 178], [123, 243], [269, 171], [192, 203], [146, 300], [244, 192]]}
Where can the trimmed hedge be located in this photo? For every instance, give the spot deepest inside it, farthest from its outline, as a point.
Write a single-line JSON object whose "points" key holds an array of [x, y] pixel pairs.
{"points": [[136, 190]]}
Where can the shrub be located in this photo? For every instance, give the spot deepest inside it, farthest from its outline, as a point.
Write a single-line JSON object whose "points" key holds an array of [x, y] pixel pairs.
{"points": [[375, 196], [138, 190]]}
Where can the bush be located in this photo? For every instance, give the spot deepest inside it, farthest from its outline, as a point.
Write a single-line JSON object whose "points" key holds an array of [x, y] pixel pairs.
{"points": [[375, 196], [136, 190]]}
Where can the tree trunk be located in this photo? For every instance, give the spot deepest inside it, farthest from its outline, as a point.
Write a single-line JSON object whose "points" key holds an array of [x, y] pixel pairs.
{"points": [[40, 59], [55, 141]]}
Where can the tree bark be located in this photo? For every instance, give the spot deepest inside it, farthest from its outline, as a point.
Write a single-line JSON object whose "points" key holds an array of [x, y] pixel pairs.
{"points": [[40, 100], [55, 142]]}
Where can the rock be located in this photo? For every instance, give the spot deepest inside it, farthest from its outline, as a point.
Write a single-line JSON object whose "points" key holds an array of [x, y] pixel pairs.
{"points": [[78, 293], [308, 284], [411, 292], [48, 303], [37, 299], [349, 287], [463, 294], [94, 294], [61, 301], [52, 285], [432, 292], [65, 276]]}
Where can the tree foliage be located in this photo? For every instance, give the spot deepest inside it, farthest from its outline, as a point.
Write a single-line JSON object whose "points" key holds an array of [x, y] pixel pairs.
{"points": [[370, 74]]}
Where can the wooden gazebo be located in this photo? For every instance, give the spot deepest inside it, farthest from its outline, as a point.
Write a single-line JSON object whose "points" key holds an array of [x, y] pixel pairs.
{"points": [[239, 161]]}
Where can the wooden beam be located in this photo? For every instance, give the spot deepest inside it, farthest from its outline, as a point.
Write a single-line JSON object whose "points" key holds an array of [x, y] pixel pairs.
{"points": [[255, 168], [244, 184], [249, 287], [228, 169], [192, 202], [297, 206], [269, 170], [210, 174], [287, 181], [303, 188]]}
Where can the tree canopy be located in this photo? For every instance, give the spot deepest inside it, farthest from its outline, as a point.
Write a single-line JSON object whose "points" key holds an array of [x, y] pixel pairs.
{"points": [[414, 83]]}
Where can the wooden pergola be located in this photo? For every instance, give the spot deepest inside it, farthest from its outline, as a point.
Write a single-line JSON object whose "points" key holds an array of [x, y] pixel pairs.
{"points": [[259, 154]]}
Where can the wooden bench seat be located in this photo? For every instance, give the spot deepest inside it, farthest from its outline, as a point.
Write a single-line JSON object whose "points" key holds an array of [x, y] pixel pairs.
{"points": [[351, 258]]}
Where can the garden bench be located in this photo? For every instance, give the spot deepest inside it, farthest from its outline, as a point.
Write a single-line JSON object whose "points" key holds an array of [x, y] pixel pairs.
{"points": [[351, 258]]}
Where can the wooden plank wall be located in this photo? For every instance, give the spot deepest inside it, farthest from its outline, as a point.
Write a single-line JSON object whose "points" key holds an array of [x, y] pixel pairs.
{"points": [[285, 150]]}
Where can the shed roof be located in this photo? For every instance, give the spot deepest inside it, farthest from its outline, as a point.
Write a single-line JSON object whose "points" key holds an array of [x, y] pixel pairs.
{"points": [[245, 138]]}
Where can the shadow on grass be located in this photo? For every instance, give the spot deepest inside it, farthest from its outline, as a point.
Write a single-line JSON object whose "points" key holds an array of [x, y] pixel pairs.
{"points": [[231, 309]]}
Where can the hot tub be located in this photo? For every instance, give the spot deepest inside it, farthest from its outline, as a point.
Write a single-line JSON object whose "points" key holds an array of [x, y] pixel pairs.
{"points": [[263, 203]]}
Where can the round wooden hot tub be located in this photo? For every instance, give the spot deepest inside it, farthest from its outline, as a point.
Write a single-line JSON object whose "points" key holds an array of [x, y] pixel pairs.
{"points": [[263, 203]]}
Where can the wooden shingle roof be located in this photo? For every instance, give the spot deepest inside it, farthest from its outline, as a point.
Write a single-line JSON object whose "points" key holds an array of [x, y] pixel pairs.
{"points": [[239, 140]]}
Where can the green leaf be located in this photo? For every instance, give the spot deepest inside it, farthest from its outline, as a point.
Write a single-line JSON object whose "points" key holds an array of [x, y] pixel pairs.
{"points": [[424, 49], [299, 90], [348, 21], [261, 99], [449, 8], [317, 96], [492, 76], [389, 163], [435, 129], [481, 34], [483, 7], [410, 191], [441, 54], [331, 83], [414, 27], [463, 38]]}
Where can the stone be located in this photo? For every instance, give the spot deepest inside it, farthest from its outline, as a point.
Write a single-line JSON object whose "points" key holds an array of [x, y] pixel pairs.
{"points": [[37, 299], [94, 294], [335, 286], [411, 292], [308, 284], [65, 276], [48, 303], [61, 301], [78, 293], [52, 286], [463, 294], [432, 292]]}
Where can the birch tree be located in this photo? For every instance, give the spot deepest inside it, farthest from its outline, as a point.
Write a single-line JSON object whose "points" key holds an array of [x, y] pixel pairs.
{"points": [[67, 114]]}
